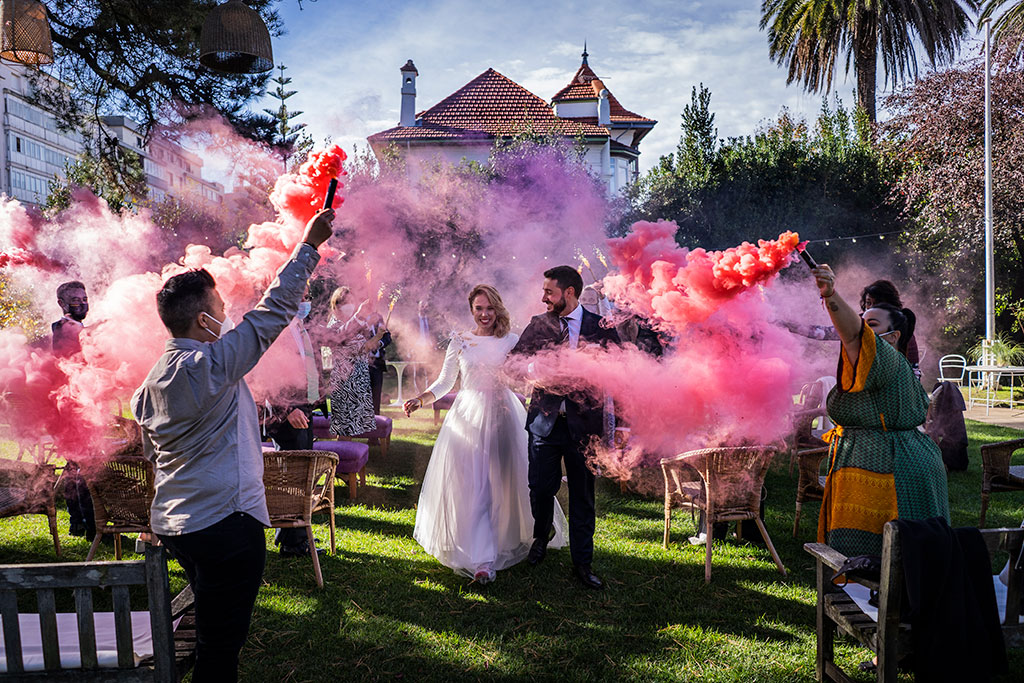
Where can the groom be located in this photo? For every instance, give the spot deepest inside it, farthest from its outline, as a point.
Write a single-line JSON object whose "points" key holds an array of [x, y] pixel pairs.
{"points": [[560, 427]]}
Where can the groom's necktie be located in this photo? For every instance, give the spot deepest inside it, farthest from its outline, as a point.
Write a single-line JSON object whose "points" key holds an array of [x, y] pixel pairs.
{"points": [[563, 337]]}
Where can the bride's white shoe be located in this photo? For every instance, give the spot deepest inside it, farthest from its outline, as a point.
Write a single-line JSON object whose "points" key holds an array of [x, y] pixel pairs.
{"points": [[485, 574]]}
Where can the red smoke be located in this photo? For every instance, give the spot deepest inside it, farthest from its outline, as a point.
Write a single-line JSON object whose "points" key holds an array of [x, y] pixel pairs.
{"points": [[678, 286], [72, 400], [299, 196], [727, 375]]}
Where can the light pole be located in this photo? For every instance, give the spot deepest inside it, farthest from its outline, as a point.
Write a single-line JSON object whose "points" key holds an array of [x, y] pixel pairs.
{"points": [[990, 278]]}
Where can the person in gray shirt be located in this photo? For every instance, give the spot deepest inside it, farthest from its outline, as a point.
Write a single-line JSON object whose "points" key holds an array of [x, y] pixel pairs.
{"points": [[199, 427]]}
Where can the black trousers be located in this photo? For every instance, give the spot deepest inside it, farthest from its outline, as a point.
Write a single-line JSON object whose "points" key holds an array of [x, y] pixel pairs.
{"points": [[545, 477], [376, 385], [224, 564], [76, 493], [291, 439]]}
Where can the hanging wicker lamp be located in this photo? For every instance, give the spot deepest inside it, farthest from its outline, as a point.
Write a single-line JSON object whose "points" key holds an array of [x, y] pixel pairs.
{"points": [[25, 32], [236, 40]]}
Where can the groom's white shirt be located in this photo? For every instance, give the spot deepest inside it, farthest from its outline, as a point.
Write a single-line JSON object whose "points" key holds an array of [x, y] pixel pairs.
{"points": [[575, 320]]}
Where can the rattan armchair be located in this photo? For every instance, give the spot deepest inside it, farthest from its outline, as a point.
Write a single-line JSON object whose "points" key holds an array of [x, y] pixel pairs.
{"points": [[26, 488], [725, 484], [997, 474], [122, 493], [808, 451], [299, 483]]}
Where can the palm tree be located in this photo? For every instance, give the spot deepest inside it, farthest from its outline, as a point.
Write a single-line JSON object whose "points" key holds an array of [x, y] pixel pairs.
{"points": [[1010, 23], [809, 35]]}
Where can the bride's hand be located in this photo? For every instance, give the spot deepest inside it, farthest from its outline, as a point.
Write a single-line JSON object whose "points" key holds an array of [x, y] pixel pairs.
{"points": [[411, 406]]}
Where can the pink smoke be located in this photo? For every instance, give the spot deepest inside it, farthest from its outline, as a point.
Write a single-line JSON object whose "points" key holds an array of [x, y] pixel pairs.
{"points": [[72, 400], [678, 286], [728, 376]]}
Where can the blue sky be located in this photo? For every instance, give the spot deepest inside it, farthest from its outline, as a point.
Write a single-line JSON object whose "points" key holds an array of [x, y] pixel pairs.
{"points": [[344, 58]]}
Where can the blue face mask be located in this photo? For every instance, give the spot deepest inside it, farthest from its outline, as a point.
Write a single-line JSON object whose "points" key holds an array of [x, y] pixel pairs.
{"points": [[304, 308]]}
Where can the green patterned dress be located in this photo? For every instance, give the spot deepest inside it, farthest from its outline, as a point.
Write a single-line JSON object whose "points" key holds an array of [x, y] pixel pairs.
{"points": [[881, 467]]}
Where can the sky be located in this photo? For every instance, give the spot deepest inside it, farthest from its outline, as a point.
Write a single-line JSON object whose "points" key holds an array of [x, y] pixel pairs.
{"points": [[344, 58]]}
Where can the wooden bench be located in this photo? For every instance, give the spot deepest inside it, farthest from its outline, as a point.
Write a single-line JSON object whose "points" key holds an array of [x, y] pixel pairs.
{"points": [[887, 636], [82, 578]]}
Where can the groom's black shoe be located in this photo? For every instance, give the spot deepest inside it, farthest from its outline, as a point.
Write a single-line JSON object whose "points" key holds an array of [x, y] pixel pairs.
{"points": [[586, 576], [539, 549], [537, 552]]}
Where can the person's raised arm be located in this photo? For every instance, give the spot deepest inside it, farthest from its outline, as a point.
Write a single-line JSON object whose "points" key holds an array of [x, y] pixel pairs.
{"points": [[847, 323], [238, 351]]}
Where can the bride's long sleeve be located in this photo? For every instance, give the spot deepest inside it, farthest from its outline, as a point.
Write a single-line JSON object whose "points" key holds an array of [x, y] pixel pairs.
{"points": [[449, 372]]}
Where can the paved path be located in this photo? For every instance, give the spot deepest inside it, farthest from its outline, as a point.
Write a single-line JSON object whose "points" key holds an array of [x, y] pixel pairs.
{"points": [[997, 416]]}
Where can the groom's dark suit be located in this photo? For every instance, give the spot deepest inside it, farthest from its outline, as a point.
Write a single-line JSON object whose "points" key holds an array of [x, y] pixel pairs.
{"points": [[556, 435]]}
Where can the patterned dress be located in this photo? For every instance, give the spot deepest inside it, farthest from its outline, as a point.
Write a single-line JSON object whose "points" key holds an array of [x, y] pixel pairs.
{"points": [[351, 399], [881, 466]]}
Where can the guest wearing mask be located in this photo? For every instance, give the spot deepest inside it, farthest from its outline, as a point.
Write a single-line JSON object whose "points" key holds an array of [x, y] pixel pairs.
{"points": [[74, 303], [200, 428], [290, 424]]}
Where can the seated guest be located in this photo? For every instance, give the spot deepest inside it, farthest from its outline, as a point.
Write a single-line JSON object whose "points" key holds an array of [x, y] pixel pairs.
{"points": [[290, 424], [199, 426], [881, 467]]}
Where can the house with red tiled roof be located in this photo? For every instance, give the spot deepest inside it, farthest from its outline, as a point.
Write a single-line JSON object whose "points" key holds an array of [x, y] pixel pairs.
{"points": [[466, 124]]}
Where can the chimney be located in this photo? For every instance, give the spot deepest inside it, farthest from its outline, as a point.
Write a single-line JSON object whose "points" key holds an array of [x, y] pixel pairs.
{"points": [[603, 108], [409, 74]]}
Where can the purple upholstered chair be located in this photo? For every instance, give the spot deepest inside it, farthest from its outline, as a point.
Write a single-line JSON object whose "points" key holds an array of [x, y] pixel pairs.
{"points": [[381, 434], [352, 458], [322, 428]]}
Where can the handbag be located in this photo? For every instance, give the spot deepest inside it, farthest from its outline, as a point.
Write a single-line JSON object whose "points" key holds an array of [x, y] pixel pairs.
{"points": [[858, 568]]}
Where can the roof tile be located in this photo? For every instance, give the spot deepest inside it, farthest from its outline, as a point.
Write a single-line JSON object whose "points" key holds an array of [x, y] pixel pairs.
{"points": [[491, 105]]}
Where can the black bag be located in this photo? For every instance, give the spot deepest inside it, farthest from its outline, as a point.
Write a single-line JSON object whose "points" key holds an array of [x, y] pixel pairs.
{"points": [[860, 567]]}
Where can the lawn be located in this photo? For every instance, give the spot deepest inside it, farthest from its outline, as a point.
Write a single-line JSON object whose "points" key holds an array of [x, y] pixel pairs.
{"points": [[389, 611]]}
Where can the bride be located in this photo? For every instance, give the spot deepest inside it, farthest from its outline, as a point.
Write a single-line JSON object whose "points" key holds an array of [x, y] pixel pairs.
{"points": [[474, 509]]}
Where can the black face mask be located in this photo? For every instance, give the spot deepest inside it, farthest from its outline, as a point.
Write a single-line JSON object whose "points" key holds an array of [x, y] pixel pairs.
{"points": [[78, 311]]}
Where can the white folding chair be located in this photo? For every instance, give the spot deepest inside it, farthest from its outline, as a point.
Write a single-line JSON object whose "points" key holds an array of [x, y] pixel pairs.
{"points": [[952, 368]]}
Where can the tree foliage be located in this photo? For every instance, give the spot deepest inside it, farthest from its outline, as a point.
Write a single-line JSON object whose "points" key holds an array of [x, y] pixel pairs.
{"points": [[136, 58], [16, 310], [937, 131], [825, 180], [809, 36], [1008, 20], [116, 175]]}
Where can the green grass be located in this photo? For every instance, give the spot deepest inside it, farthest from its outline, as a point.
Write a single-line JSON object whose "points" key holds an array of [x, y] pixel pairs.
{"points": [[388, 610]]}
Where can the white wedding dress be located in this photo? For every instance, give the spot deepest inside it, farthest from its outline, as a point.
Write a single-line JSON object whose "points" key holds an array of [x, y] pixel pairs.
{"points": [[474, 507]]}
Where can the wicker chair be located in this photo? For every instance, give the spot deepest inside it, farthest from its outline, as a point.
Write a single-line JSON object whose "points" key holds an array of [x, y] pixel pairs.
{"points": [[298, 484], [724, 483], [808, 408], [997, 474], [26, 488], [808, 451], [122, 493]]}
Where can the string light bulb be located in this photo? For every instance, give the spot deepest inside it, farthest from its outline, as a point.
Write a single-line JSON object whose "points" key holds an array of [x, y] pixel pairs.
{"points": [[854, 239], [826, 243]]}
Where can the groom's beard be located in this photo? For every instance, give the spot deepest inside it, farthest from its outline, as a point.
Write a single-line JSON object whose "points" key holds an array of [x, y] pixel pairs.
{"points": [[558, 308]]}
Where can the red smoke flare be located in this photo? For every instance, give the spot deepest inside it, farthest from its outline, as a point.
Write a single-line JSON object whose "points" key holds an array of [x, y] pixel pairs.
{"points": [[301, 195], [678, 286]]}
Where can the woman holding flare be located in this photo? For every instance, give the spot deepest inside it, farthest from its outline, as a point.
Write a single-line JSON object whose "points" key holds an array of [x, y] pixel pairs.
{"points": [[881, 467]]}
